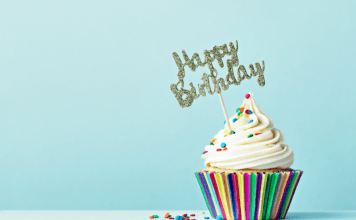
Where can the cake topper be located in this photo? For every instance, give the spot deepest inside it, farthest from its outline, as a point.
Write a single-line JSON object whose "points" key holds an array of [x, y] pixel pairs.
{"points": [[217, 53]]}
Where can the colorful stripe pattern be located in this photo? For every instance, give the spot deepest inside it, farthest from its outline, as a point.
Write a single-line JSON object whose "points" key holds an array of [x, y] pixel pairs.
{"points": [[243, 196]]}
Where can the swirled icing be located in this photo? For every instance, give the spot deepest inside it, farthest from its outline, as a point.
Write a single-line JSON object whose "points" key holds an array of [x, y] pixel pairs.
{"points": [[252, 143]]}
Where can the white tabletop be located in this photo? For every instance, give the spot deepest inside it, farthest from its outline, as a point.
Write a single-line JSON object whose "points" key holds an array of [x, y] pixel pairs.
{"points": [[141, 215]]}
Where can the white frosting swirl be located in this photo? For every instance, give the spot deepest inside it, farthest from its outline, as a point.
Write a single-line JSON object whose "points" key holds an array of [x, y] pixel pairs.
{"points": [[256, 144]]}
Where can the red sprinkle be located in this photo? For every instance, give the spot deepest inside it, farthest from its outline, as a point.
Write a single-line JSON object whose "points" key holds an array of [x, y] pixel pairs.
{"points": [[192, 215], [184, 215], [246, 111], [247, 96], [258, 133], [218, 149], [205, 152], [171, 218]]}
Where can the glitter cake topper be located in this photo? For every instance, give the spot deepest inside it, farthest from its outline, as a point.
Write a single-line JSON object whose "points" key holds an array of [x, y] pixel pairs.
{"points": [[217, 53]]}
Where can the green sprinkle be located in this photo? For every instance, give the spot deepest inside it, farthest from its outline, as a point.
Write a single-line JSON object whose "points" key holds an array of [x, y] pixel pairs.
{"points": [[251, 135], [211, 144], [240, 113]]}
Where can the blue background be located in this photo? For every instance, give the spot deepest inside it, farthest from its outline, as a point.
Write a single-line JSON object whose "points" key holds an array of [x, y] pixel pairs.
{"points": [[87, 120]]}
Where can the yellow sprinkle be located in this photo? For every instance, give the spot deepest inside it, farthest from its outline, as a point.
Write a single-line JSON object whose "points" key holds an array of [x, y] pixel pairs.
{"points": [[227, 132], [201, 212]]}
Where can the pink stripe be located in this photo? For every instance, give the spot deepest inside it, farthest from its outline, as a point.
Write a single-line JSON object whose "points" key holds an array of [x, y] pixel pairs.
{"points": [[213, 181], [247, 195], [237, 195]]}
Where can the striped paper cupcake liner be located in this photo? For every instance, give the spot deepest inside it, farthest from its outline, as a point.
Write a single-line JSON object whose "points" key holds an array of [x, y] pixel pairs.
{"points": [[245, 196]]}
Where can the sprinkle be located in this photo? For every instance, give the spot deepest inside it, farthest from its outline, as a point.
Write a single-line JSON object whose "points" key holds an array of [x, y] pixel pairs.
{"points": [[232, 132], [219, 217], [242, 109], [250, 112], [234, 120], [192, 215], [201, 212], [238, 114], [224, 149], [218, 149], [247, 96], [223, 145], [151, 217], [171, 218], [246, 111], [184, 215], [156, 216], [250, 121], [227, 132], [214, 139], [224, 122], [204, 152], [206, 217], [211, 144], [178, 217], [237, 110], [258, 133], [251, 135]]}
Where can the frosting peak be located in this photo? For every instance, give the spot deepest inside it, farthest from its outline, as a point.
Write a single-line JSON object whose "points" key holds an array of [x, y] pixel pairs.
{"points": [[252, 143]]}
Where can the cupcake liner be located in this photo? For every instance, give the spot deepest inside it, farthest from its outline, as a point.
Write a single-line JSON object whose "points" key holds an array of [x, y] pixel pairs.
{"points": [[245, 196]]}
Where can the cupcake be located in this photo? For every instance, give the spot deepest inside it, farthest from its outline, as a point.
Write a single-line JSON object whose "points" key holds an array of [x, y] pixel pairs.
{"points": [[248, 174]]}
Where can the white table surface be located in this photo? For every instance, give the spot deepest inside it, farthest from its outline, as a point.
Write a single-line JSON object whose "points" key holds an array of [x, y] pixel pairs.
{"points": [[141, 215]]}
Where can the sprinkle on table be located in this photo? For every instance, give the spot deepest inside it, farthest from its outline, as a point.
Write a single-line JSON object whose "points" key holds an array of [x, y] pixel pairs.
{"points": [[234, 120], [201, 212], [184, 215], [206, 217], [250, 121], [192, 215], [151, 217], [247, 96], [251, 135]]}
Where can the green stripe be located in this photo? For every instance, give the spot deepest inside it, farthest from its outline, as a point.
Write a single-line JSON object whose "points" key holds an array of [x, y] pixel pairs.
{"points": [[202, 190], [289, 193], [271, 194], [252, 195], [268, 184]]}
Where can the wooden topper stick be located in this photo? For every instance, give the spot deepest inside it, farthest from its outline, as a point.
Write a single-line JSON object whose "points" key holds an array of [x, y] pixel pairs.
{"points": [[224, 110]]}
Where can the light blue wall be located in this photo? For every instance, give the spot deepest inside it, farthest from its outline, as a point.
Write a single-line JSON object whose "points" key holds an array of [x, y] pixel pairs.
{"points": [[87, 120]]}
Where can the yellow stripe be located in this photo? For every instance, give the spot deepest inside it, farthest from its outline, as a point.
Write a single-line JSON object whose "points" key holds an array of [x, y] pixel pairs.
{"points": [[227, 196], [242, 195], [211, 193], [221, 191], [263, 189]]}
